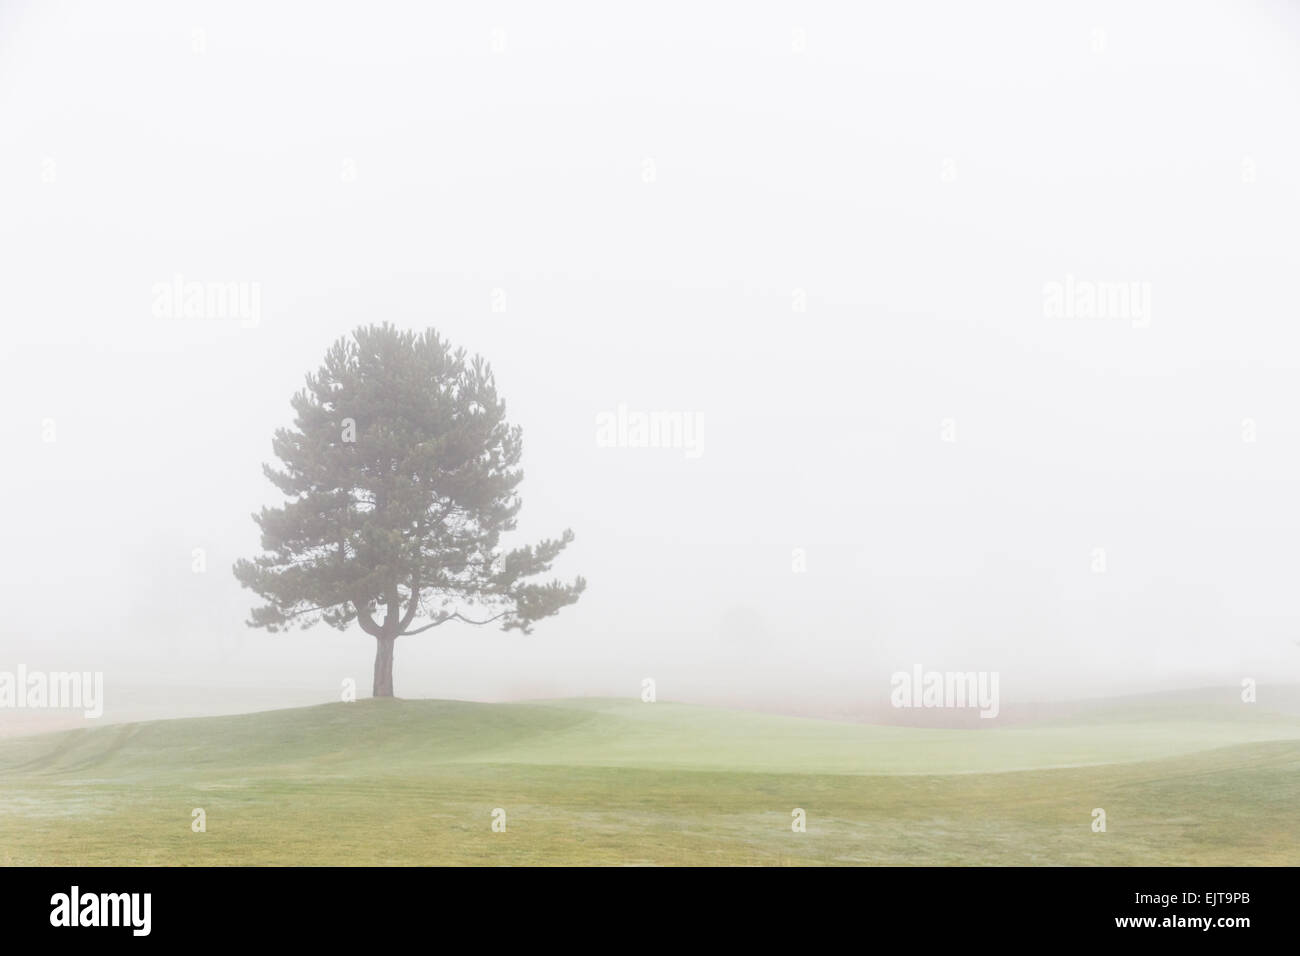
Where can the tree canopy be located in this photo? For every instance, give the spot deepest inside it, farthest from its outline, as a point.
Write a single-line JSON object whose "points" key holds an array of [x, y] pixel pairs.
{"points": [[401, 474]]}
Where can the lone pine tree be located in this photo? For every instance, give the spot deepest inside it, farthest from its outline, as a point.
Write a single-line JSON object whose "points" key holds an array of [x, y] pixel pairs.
{"points": [[401, 472]]}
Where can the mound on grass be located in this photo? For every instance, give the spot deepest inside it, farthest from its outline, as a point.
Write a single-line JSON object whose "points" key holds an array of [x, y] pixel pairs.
{"points": [[1183, 779]]}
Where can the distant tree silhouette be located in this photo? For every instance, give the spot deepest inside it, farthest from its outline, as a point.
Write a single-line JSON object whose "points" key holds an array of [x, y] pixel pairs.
{"points": [[401, 472]]}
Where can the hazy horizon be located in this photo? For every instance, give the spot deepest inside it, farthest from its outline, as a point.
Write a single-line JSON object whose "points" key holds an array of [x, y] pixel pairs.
{"points": [[831, 239]]}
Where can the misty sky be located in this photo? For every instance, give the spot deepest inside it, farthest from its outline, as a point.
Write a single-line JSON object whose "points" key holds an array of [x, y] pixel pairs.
{"points": [[823, 232]]}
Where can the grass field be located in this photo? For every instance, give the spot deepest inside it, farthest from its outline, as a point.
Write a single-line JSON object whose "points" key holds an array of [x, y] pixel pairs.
{"points": [[1183, 780]]}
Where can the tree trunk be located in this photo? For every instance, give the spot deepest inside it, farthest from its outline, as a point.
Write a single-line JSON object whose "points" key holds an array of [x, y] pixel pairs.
{"points": [[384, 666]]}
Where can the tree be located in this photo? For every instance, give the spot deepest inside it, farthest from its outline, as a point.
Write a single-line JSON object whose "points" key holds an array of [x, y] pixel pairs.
{"points": [[401, 472]]}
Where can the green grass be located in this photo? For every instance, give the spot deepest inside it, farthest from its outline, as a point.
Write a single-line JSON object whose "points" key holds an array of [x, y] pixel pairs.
{"points": [[1183, 780]]}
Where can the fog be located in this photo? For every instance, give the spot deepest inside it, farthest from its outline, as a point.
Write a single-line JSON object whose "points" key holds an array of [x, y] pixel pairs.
{"points": [[864, 253]]}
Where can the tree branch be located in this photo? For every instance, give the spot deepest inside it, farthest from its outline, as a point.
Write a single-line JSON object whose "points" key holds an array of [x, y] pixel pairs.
{"points": [[411, 610], [366, 621], [458, 617]]}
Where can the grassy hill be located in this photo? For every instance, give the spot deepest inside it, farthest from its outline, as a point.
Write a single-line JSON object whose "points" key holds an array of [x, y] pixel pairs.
{"points": [[1195, 779]]}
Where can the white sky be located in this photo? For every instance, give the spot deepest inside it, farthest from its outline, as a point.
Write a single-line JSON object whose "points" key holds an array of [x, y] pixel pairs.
{"points": [[920, 172]]}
